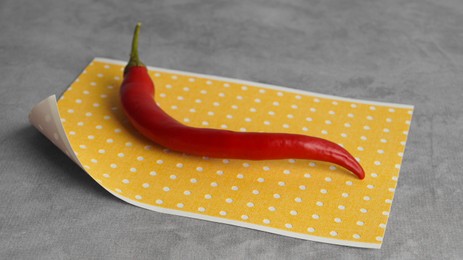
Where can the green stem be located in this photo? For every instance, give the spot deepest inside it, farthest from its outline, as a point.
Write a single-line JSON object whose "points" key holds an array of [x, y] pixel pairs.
{"points": [[134, 59]]}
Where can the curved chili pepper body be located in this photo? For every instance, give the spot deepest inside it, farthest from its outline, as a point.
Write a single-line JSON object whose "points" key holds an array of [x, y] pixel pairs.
{"points": [[137, 98]]}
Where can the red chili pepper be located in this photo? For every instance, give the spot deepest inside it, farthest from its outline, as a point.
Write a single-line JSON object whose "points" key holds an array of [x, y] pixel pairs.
{"points": [[137, 98]]}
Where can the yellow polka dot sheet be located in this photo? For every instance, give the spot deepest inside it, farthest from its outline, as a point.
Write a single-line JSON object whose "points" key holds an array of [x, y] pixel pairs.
{"points": [[304, 199]]}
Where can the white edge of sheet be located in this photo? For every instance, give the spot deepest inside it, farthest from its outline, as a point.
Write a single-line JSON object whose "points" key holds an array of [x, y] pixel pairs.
{"points": [[248, 225], [268, 86]]}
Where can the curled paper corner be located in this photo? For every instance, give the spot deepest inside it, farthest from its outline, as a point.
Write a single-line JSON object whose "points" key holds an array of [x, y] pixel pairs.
{"points": [[45, 117]]}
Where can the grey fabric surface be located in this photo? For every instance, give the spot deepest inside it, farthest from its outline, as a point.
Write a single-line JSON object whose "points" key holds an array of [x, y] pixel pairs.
{"points": [[394, 51]]}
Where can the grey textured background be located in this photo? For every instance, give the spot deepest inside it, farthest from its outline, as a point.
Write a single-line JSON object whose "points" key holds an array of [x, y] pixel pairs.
{"points": [[401, 51]]}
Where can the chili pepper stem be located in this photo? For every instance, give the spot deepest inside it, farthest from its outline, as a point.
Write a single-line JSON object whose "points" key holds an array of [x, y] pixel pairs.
{"points": [[134, 58]]}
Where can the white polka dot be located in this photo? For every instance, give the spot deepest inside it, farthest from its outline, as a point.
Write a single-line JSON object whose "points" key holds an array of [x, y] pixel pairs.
{"points": [[287, 225], [180, 205], [201, 209], [229, 200], [125, 181], [166, 188], [323, 191], [302, 187], [138, 197], [341, 207], [193, 180], [311, 229], [271, 208], [266, 221], [255, 192], [133, 169], [293, 212], [319, 203], [379, 238], [276, 196], [356, 236], [363, 210], [298, 199], [333, 233], [145, 185], [244, 217], [360, 223], [173, 177], [223, 213], [250, 204], [315, 216]]}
